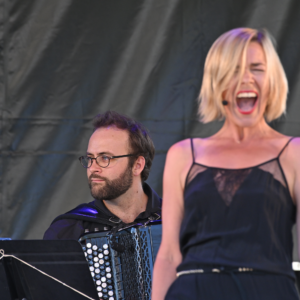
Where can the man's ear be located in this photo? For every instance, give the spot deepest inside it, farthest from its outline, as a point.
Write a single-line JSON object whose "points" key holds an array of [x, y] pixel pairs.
{"points": [[139, 165]]}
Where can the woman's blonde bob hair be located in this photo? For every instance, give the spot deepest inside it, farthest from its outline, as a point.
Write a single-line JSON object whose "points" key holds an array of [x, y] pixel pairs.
{"points": [[226, 54]]}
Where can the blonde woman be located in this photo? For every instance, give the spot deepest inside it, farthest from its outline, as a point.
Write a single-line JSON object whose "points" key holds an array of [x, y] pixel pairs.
{"points": [[230, 200]]}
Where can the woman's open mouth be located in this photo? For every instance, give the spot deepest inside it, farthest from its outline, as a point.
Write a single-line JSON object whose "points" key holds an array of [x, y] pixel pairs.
{"points": [[246, 102]]}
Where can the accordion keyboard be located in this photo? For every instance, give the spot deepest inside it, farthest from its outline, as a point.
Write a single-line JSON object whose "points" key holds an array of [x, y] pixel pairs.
{"points": [[125, 275]]}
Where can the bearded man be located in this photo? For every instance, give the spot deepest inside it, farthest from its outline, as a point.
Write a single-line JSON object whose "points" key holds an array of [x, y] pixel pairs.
{"points": [[118, 161]]}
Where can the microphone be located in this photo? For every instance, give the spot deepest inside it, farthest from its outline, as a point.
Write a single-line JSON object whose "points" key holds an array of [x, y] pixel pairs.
{"points": [[224, 102]]}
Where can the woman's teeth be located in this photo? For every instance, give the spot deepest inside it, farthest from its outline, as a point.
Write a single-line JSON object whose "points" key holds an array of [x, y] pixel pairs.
{"points": [[247, 95]]}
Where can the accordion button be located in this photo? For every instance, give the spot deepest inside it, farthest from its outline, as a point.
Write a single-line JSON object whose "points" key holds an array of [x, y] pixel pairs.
{"points": [[100, 295], [98, 282], [95, 253], [107, 264], [102, 273], [90, 262], [89, 245], [90, 257], [109, 281], [104, 291], [97, 271], [111, 298], [108, 275], [105, 246], [98, 276], [85, 254], [101, 261], [99, 288], [105, 252], [99, 250], [83, 248], [110, 287], [104, 285], [89, 251], [110, 293], [108, 269], [105, 297], [103, 279], [92, 268], [94, 247], [93, 274], [96, 259], [106, 257], [100, 255], [102, 267], [96, 265]]}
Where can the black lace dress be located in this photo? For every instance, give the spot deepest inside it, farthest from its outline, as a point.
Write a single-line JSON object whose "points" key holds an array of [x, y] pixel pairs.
{"points": [[236, 235]]}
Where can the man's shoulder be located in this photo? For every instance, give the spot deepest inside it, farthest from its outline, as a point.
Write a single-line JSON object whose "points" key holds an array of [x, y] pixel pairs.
{"points": [[154, 198], [85, 212], [153, 209], [92, 211]]}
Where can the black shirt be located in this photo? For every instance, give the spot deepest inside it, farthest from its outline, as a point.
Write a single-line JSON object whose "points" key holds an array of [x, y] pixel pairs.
{"points": [[238, 218], [94, 216]]}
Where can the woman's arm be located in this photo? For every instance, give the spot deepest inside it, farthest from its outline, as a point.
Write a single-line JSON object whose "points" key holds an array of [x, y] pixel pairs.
{"points": [[178, 161], [296, 184], [290, 160]]}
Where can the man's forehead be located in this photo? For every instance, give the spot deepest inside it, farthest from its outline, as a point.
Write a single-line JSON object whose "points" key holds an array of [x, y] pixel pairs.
{"points": [[108, 139]]}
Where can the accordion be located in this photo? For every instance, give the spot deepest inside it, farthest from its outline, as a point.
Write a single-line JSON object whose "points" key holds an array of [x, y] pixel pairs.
{"points": [[125, 274]]}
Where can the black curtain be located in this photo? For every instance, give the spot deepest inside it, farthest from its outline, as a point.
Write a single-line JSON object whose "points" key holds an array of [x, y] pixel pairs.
{"points": [[64, 61]]}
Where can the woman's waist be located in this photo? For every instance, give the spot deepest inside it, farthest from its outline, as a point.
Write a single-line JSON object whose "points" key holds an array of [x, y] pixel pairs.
{"points": [[228, 249], [223, 265]]}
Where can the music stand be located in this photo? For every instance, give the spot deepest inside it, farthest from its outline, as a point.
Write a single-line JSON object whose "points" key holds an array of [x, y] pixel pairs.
{"points": [[63, 260]]}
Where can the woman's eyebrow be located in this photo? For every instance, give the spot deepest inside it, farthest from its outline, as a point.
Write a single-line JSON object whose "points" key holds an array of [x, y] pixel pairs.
{"points": [[257, 64]]}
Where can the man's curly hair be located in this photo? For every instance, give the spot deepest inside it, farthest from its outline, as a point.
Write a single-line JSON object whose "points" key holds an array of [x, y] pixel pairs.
{"points": [[139, 139]]}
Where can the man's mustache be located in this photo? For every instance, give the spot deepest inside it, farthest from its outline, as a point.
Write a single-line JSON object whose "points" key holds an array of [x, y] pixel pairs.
{"points": [[96, 177]]}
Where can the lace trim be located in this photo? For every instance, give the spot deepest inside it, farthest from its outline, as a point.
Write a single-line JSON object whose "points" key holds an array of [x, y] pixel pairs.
{"points": [[228, 182]]}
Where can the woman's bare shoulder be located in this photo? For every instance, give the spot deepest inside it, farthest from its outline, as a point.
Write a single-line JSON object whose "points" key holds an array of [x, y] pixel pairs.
{"points": [[179, 154], [290, 157], [184, 146], [296, 141], [294, 148], [179, 160]]}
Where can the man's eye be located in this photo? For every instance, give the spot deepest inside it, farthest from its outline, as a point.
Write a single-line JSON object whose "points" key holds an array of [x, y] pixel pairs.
{"points": [[104, 158]]}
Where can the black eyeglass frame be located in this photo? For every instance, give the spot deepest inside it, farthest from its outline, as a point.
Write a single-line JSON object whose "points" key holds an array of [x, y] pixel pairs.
{"points": [[95, 158]]}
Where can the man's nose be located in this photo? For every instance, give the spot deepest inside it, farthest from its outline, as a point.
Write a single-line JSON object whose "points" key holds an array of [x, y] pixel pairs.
{"points": [[95, 167]]}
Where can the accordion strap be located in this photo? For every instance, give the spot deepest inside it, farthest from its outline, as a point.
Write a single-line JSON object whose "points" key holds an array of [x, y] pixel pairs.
{"points": [[122, 226], [89, 212]]}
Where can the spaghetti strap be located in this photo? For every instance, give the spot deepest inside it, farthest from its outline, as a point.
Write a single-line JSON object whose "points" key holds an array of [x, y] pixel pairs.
{"points": [[192, 148], [285, 146]]}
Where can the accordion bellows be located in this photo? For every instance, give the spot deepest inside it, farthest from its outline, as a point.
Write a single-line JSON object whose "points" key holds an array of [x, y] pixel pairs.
{"points": [[125, 275]]}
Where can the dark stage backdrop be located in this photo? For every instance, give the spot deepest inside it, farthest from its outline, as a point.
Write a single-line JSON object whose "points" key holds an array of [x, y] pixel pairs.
{"points": [[64, 61]]}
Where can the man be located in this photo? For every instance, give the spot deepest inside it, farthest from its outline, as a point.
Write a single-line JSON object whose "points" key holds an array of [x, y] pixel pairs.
{"points": [[118, 161]]}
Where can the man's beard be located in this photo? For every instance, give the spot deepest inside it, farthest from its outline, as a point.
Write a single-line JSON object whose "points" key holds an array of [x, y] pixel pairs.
{"points": [[112, 188]]}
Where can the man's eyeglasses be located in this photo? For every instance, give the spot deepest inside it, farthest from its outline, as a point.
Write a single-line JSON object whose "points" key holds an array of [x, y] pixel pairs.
{"points": [[102, 160]]}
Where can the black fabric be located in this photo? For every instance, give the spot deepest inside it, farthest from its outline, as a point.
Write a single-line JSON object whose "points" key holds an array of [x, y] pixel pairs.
{"points": [[64, 61], [253, 230], [95, 215], [214, 286]]}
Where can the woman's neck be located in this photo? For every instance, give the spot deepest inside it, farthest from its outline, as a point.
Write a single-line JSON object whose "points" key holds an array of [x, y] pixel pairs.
{"points": [[241, 134]]}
